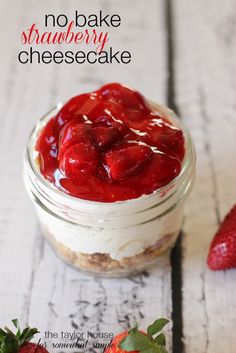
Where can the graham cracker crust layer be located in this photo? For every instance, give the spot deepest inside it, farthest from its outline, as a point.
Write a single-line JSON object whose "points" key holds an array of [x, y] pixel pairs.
{"points": [[102, 263]]}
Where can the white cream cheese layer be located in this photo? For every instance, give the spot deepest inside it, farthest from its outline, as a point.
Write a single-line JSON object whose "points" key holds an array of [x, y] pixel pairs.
{"points": [[118, 242]]}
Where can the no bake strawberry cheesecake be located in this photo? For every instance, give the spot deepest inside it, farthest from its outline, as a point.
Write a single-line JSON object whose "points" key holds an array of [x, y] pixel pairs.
{"points": [[109, 172]]}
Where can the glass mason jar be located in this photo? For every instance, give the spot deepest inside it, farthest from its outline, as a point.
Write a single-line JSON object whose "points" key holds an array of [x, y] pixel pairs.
{"points": [[116, 238]]}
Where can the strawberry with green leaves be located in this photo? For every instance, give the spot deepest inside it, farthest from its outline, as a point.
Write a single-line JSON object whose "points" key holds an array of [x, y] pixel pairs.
{"points": [[136, 341], [20, 341]]}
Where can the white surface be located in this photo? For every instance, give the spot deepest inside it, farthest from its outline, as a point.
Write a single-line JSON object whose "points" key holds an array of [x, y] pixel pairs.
{"points": [[205, 88], [35, 286]]}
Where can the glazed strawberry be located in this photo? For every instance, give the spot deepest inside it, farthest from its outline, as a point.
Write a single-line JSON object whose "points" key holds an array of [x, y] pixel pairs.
{"points": [[72, 133], [222, 253], [77, 159], [19, 342], [127, 160], [133, 118], [167, 138], [111, 121], [120, 94], [77, 108], [104, 136], [48, 145], [136, 341]]}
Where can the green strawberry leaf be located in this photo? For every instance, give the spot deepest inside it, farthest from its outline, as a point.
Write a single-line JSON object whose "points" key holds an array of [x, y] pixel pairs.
{"points": [[9, 345], [16, 324], [8, 331], [10, 342], [163, 349], [30, 333], [134, 329], [146, 343], [156, 327], [134, 341], [160, 339], [150, 350], [22, 336], [137, 341], [2, 335]]}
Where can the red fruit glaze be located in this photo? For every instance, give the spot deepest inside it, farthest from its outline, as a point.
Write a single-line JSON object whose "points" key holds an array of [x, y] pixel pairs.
{"points": [[104, 136], [30, 347], [126, 160], [79, 159], [109, 146], [114, 347], [72, 133], [222, 253]]}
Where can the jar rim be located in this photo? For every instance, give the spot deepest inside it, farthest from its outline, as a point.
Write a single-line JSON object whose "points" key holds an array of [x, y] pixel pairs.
{"points": [[189, 158]]}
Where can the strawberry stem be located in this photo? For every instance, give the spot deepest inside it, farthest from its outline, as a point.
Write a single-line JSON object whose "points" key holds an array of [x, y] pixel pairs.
{"points": [[152, 342], [11, 342]]}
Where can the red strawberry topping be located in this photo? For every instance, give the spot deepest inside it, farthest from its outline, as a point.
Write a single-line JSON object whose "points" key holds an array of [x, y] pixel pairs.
{"points": [[109, 146], [72, 133], [77, 159], [222, 253], [124, 96], [77, 108], [104, 136], [127, 160]]}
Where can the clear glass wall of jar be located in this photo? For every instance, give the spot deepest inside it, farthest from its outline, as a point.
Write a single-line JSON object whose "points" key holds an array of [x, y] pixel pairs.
{"points": [[109, 239]]}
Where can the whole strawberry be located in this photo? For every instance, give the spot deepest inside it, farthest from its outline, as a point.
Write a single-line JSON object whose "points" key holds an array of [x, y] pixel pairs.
{"points": [[222, 253], [136, 341], [19, 342]]}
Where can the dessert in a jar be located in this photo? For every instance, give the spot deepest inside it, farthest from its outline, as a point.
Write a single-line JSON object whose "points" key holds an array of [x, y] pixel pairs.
{"points": [[108, 173]]}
